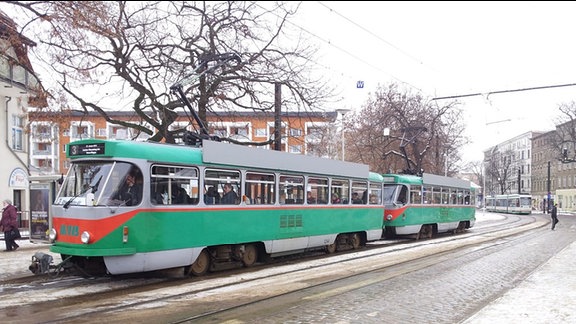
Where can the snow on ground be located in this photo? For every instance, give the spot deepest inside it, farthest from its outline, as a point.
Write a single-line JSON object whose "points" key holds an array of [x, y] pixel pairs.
{"points": [[17, 262]]}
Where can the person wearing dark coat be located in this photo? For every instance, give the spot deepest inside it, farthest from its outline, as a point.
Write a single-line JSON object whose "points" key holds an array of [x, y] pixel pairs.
{"points": [[554, 215], [229, 197], [9, 222], [211, 197]]}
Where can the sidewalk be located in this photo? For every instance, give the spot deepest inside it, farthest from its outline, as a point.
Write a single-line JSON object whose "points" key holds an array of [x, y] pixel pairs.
{"points": [[16, 263], [547, 296]]}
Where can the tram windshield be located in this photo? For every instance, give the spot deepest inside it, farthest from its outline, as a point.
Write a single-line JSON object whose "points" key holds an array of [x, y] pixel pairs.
{"points": [[390, 192], [97, 183]]}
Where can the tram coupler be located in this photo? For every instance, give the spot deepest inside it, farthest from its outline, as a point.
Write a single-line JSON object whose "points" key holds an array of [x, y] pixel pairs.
{"points": [[41, 263]]}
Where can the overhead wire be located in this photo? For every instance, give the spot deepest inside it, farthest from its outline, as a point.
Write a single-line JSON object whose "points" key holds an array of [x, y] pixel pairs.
{"points": [[349, 53], [487, 94], [406, 54]]}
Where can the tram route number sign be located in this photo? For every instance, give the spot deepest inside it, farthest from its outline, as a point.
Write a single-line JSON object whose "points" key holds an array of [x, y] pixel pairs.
{"points": [[87, 149]]}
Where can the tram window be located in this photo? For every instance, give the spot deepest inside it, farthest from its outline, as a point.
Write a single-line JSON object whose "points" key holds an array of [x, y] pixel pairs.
{"points": [[341, 187], [415, 195], [467, 198], [446, 198], [375, 194], [223, 179], [259, 188], [402, 196], [436, 195], [453, 196], [389, 193], [427, 195], [318, 187], [170, 185], [291, 189], [361, 190], [460, 197]]}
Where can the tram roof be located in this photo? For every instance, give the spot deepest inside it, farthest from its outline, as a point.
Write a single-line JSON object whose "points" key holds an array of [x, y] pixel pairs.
{"points": [[428, 179], [238, 155], [217, 153]]}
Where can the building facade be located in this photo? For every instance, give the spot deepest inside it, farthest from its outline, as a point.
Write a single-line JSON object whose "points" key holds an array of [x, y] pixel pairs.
{"points": [[19, 89], [508, 166], [49, 135], [543, 182], [555, 181]]}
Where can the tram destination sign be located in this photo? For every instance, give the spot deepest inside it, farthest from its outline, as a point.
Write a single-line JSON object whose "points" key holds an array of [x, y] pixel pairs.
{"points": [[86, 149]]}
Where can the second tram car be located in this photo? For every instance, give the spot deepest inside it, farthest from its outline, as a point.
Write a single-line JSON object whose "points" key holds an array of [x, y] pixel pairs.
{"points": [[426, 205], [510, 204]]}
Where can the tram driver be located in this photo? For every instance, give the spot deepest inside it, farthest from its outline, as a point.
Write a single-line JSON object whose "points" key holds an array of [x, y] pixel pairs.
{"points": [[131, 191]]}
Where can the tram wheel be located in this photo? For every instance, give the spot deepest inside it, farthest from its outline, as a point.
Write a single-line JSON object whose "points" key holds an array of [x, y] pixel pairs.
{"points": [[201, 265], [355, 241], [250, 255], [461, 227], [330, 248], [426, 231]]}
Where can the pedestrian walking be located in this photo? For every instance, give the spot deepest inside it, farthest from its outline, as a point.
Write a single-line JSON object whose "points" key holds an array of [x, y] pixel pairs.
{"points": [[9, 224], [554, 215]]}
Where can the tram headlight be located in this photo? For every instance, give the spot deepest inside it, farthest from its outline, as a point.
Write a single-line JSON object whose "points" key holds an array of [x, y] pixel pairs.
{"points": [[52, 235], [85, 237], [388, 217]]}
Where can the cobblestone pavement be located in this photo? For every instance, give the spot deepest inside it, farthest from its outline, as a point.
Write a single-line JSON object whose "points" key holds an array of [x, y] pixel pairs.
{"points": [[547, 295], [504, 282], [529, 282]]}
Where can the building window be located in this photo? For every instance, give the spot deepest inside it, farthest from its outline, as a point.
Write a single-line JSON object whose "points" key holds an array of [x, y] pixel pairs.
{"points": [[119, 133], [220, 132], [17, 133], [261, 132], [101, 132], [295, 148], [314, 135], [242, 131], [82, 130], [295, 132]]}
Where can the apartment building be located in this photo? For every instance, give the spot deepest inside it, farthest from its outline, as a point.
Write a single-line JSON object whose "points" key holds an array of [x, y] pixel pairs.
{"points": [[508, 165], [554, 159], [49, 135], [543, 181]]}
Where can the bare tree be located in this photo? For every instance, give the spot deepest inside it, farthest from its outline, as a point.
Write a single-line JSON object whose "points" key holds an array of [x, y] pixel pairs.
{"points": [[118, 55], [500, 171], [402, 132], [563, 144], [477, 170]]}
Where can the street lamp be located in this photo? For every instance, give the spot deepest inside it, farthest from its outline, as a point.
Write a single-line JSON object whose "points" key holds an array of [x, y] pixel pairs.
{"points": [[342, 112]]}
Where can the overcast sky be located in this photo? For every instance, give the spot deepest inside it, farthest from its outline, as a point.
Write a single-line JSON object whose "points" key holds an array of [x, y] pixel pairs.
{"points": [[444, 49]]}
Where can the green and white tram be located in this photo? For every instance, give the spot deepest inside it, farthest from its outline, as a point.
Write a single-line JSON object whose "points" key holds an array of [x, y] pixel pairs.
{"points": [[510, 204], [285, 203], [426, 205]]}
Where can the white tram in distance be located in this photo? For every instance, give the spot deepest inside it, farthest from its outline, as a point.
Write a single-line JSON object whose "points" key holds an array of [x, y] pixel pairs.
{"points": [[510, 204]]}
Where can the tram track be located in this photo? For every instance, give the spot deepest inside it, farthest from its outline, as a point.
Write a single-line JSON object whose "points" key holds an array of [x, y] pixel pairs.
{"points": [[122, 299]]}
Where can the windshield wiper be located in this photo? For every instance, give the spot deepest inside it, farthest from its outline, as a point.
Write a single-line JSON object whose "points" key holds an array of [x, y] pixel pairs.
{"points": [[94, 188]]}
